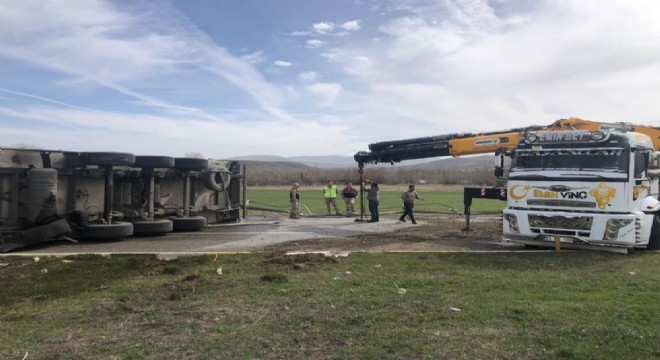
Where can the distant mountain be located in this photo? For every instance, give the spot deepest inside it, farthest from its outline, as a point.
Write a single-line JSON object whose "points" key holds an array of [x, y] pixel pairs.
{"points": [[326, 162], [481, 161], [276, 166], [260, 158]]}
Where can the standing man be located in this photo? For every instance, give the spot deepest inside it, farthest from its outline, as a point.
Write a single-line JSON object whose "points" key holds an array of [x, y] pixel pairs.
{"points": [[373, 197], [349, 194], [294, 197], [330, 194], [409, 198]]}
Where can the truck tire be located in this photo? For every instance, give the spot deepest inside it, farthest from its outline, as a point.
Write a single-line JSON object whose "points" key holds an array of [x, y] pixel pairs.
{"points": [[109, 158], [192, 223], [215, 179], [114, 230], [193, 164], [654, 239], [154, 227], [153, 162]]}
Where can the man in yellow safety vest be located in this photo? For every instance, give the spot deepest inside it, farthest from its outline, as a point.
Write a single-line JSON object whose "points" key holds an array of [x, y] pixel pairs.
{"points": [[330, 193]]}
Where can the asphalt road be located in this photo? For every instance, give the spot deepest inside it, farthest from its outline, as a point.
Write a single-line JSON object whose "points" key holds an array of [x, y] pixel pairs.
{"points": [[247, 236]]}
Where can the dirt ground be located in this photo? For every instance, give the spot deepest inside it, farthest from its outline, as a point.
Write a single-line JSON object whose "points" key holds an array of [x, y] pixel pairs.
{"points": [[433, 233]]}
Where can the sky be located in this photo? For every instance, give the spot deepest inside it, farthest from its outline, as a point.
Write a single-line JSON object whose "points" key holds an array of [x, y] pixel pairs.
{"points": [[229, 78]]}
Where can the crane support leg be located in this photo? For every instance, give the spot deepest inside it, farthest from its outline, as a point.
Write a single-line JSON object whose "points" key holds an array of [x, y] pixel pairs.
{"points": [[480, 193]]}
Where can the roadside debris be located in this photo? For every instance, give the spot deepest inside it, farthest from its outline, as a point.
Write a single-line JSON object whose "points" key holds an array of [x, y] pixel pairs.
{"points": [[401, 290], [274, 278], [219, 271], [455, 309], [166, 257]]}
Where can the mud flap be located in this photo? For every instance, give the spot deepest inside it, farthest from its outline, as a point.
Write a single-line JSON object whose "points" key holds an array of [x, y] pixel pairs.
{"points": [[48, 232]]}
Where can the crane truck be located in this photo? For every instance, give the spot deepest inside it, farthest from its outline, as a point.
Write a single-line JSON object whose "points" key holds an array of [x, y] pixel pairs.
{"points": [[578, 183]]}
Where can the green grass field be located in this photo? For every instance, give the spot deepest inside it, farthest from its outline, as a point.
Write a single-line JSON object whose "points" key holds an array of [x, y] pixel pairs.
{"points": [[390, 201], [568, 305]]}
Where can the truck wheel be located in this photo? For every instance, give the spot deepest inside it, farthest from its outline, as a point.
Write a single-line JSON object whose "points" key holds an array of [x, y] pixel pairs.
{"points": [[194, 164], [155, 227], [654, 240], [109, 158], [215, 179], [154, 162], [192, 223], [106, 231]]}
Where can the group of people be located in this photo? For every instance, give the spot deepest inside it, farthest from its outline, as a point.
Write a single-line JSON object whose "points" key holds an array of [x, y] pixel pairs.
{"points": [[349, 194]]}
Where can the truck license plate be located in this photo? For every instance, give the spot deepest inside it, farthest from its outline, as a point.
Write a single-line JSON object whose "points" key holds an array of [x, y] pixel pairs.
{"points": [[564, 240]]}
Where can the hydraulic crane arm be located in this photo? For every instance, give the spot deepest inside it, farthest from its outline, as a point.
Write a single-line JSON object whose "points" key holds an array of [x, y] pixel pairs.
{"points": [[579, 124], [455, 145], [460, 144]]}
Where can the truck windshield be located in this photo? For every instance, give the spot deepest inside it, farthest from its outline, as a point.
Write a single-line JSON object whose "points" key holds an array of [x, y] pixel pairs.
{"points": [[604, 161]]}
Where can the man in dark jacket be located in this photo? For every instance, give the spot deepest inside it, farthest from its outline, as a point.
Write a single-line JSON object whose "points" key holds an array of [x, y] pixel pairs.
{"points": [[409, 198]]}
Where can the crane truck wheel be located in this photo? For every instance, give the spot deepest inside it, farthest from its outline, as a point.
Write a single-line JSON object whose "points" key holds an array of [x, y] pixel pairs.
{"points": [[192, 223], [193, 164], [154, 227], [106, 231], [215, 179], [109, 158], [154, 162], [654, 239]]}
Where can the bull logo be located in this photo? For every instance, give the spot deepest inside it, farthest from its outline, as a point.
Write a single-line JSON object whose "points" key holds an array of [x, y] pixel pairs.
{"points": [[603, 194], [638, 189]]}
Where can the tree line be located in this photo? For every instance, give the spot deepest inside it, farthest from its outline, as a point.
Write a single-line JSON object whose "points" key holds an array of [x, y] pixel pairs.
{"points": [[261, 176]]}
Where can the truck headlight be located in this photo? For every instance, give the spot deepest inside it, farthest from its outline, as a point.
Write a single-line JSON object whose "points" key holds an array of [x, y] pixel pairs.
{"points": [[513, 222], [531, 137], [613, 226], [597, 135]]}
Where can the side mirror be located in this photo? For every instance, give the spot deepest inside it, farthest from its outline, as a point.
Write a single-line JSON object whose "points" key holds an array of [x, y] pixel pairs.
{"points": [[499, 163], [499, 160], [654, 160]]}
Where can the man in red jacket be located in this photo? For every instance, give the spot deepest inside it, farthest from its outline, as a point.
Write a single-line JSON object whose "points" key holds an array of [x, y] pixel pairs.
{"points": [[349, 193]]}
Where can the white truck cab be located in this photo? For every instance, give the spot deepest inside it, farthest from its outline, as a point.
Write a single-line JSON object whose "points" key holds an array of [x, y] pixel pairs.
{"points": [[583, 188]]}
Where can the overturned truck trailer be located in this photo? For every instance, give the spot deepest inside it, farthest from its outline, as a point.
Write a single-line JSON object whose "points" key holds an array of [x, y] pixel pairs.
{"points": [[50, 195]]}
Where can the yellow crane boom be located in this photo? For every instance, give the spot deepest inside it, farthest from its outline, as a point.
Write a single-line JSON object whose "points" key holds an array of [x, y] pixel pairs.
{"points": [[460, 144]]}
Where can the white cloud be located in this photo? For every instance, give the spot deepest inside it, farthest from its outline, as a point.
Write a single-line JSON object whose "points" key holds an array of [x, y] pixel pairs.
{"points": [[106, 44], [476, 70], [436, 67], [282, 63], [351, 25], [323, 27], [315, 43], [325, 93], [170, 136], [308, 76], [254, 58]]}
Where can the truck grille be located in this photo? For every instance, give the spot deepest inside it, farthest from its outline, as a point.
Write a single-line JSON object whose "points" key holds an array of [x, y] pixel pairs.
{"points": [[562, 203], [561, 222]]}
